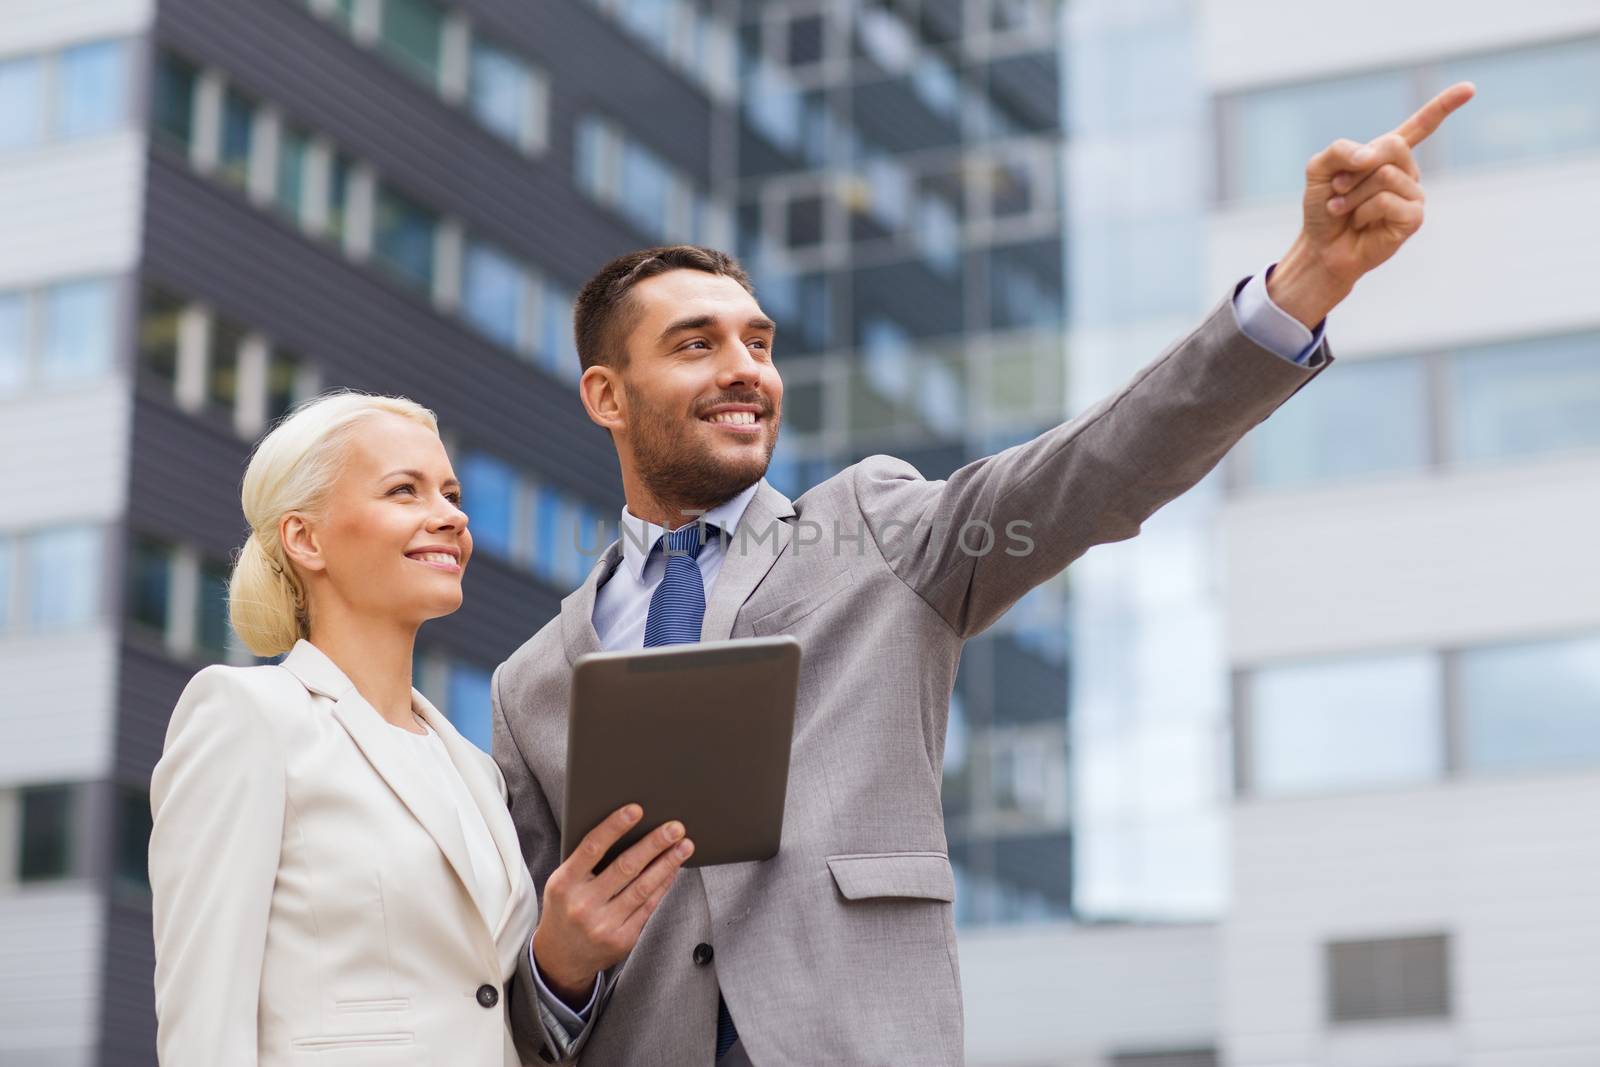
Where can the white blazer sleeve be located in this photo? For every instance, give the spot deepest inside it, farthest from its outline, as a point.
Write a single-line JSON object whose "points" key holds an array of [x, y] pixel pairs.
{"points": [[217, 797]]}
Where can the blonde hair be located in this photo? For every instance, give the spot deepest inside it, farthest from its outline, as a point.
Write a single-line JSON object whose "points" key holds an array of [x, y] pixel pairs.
{"points": [[292, 469]]}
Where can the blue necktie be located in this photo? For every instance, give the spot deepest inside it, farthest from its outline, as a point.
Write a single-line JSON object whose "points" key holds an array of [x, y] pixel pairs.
{"points": [[677, 610]]}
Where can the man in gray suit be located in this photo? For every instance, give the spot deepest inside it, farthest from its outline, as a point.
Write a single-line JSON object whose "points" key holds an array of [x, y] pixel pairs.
{"points": [[842, 950]]}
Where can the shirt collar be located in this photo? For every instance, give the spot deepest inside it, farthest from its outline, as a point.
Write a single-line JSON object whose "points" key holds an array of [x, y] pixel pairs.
{"points": [[639, 537]]}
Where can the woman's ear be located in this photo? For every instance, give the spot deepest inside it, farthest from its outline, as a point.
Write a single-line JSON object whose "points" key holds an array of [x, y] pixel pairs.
{"points": [[300, 542], [604, 398]]}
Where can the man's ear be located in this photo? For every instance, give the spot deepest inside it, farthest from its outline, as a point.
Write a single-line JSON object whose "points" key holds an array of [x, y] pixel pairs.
{"points": [[604, 398], [300, 543]]}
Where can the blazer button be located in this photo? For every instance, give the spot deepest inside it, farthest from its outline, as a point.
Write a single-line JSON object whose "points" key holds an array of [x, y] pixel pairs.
{"points": [[488, 996], [703, 954]]}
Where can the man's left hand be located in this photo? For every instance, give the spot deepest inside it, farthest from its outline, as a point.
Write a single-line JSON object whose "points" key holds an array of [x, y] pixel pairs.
{"points": [[1362, 202]]}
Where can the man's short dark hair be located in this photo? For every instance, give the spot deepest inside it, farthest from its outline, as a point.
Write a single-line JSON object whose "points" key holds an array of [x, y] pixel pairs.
{"points": [[605, 312]]}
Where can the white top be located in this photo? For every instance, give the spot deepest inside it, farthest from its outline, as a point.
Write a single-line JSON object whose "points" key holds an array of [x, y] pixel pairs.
{"points": [[488, 871], [623, 603]]}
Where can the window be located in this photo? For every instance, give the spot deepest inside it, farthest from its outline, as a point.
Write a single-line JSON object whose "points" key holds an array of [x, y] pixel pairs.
{"points": [[1268, 136], [1397, 978], [47, 837], [558, 350], [469, 703], [1366, 417], [489, 495], [211, 629], [21, 101], [289, 191], [65, 568], [13, 340], [159, 329], [78, 330], [283, 385], [233, 153], [222, 371], [93, 79], [1200, 1057], [1531, 396], [1536, 102], [1531, 706], [506, 95], [173, 99], [413, 35], [1345, 724], [132, 869], [340, 172], [403, 238], [493, 293], [150, 584]]}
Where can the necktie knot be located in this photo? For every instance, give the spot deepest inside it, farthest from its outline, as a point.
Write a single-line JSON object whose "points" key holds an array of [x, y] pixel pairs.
{"points": [[688, 541]]}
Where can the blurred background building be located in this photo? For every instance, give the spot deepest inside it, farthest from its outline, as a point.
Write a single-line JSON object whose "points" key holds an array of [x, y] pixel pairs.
{"points": [[1304, 775]]}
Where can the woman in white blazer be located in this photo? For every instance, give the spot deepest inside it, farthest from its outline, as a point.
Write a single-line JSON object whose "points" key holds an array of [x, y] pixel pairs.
{"points": [[335, 876]]}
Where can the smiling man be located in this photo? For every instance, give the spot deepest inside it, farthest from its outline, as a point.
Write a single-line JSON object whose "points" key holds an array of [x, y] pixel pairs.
{"points": [[841, 949]]}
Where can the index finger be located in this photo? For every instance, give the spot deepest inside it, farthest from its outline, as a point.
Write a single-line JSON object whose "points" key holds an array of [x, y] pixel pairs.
{"points": [[597, 842], [1420, 126]]}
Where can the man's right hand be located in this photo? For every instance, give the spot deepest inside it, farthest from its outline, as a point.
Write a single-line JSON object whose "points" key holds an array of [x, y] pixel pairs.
{"points": [[590, 921]]}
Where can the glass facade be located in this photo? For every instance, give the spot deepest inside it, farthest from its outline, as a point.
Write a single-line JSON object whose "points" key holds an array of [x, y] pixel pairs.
{"points": [[1531, 707], [92, 82], [65, 567]]}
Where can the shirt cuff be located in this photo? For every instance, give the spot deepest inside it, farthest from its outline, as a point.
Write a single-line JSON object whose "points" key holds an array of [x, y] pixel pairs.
{"points": [[574, 1021], [1271, 327]]}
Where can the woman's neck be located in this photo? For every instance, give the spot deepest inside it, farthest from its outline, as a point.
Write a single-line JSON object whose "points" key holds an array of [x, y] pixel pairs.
{"points": [[376, 657]]}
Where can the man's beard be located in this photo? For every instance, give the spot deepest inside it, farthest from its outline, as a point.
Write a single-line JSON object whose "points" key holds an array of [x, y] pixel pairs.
{"points": [[683, 473]]}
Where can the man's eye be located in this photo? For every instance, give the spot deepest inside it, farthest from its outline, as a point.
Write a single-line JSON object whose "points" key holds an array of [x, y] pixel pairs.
{"points": [[454, 498]]}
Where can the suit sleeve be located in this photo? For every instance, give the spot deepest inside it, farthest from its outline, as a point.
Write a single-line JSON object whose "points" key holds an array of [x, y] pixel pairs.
{"points": [[217, 797], [539, 1032], [973, 545]]}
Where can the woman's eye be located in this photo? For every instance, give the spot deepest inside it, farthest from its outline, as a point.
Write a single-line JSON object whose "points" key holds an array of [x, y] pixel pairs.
{"points": [[403, 489]]}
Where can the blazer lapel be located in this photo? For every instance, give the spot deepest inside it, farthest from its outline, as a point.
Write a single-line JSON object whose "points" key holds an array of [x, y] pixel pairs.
{"points": [[468, 763], [373, 736], [577, 610], [762, 536]]}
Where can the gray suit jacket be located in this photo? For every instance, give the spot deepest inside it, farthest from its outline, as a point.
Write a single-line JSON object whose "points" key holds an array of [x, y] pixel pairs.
{"points": [[842, 949]]}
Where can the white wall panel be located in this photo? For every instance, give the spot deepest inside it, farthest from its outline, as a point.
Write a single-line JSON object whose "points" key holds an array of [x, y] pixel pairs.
{"points": [[50, 945], [1067, 996], [1251, 42], [71, 208], [1496, 554], [65, 454], [57, 712], [34, 25], [1487, 265], [1509, 868]]}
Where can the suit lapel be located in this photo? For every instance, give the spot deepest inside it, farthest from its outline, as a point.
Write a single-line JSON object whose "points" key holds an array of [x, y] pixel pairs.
{"points": [[374, 737], [577, 610], [762, 536]]}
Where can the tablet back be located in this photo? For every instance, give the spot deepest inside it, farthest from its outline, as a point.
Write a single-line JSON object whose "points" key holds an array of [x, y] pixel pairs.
{"points": [[699, 733]]}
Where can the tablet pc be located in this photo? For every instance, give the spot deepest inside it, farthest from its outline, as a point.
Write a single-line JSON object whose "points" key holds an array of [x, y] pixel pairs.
{"points": [[696, 732]]}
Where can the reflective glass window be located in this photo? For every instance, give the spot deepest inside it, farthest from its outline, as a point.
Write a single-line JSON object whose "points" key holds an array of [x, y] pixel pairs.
{"points": [[469, 703], [149, 584], [283, 385], [159, 322], [47, 833], [502, 93], [1364, 417], [1345, 724], [558, 350], [289, 192], [403, 238], [413, 34], [172, 101], [1531, 103], [65, 570], [1530, 396], [93, 82], [212, 632], [133, 838], [222, 376], [238, 124], [1531, 706], [21, 101], [493, 293], [1270, 135], [8, 580], [79, 330], [489, 497]]}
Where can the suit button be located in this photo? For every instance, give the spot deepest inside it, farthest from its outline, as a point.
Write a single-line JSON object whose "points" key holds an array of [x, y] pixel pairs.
{"points": [[703, 954], [488, 996]]}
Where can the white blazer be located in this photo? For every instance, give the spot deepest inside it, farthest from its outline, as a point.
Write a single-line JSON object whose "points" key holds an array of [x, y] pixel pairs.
{"points": [[313, 897]]}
